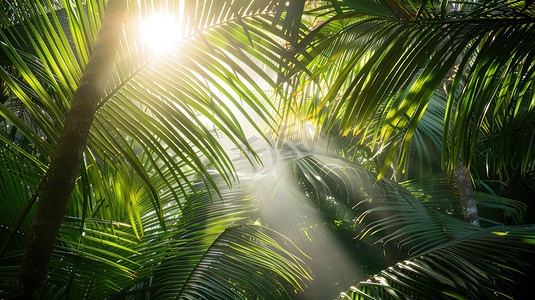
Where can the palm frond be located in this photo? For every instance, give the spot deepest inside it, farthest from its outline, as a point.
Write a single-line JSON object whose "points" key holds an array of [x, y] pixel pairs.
{"points": [[173, 104], [401, 54], [491, 263], [209, 249], [19, 173]]}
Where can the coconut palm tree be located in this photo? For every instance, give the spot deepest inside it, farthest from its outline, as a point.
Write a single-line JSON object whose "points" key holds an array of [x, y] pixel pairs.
{"points": [[93, 97]]}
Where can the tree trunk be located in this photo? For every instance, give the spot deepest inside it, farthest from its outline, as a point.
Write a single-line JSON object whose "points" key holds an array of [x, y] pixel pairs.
{"points": [[462, 174], [466, 191], [65, 164]]}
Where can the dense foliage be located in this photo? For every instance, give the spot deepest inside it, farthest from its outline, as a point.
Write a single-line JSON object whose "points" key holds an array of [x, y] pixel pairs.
{"points": [[278, 149]]}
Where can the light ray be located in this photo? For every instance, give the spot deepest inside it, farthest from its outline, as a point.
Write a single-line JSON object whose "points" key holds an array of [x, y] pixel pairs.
{"points": [[160, 32]]}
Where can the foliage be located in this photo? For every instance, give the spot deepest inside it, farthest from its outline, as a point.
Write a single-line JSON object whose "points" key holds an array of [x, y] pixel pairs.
{"points": [[156, 130], [433, 253], [490, 263], [153, 215], [207, 249], [382, 61]]}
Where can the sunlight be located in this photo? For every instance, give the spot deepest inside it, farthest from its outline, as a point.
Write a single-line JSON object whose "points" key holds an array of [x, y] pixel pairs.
{"points": [[160, 32]]}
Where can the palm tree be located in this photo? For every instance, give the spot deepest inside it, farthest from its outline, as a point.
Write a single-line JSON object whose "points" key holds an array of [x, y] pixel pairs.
{"points": [[379, 63], [57, 187], [145, 217], [148, 117]]}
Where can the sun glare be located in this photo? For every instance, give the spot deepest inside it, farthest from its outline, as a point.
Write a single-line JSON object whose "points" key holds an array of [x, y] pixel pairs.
{"points": [[160, 32]]}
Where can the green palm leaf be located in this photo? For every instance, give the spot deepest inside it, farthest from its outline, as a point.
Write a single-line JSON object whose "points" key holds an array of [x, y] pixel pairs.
{"points": [[168, 103], [156, 128], [383, 60], [484, 264], [209, 248]]}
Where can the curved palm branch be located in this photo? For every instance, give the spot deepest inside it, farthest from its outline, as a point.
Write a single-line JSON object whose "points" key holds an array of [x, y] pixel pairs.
{"points": [[157, 114], [424, 220], [388, 58], [420, 215], [488, 264], [170, 103], [209, 248]]}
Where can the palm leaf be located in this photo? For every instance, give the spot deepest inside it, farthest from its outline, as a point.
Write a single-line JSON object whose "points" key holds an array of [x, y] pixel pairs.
{"points": [[389, 69], [489, 264], [208, 249], [18, 170], [167, 103]]}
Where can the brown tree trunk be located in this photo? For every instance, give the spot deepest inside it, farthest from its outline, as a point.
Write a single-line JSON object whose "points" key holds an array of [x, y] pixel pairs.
{"points": [[466, 191], [63, 170]]}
